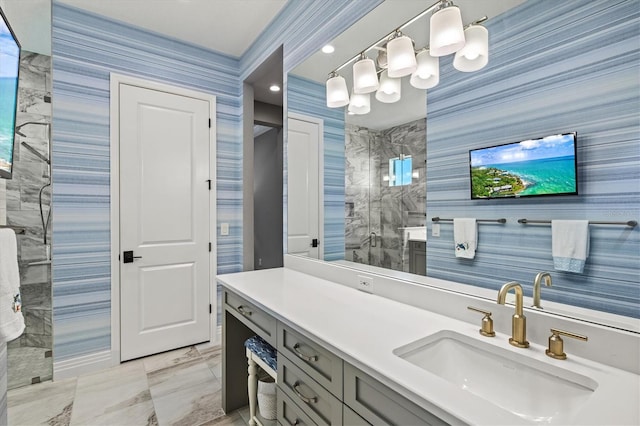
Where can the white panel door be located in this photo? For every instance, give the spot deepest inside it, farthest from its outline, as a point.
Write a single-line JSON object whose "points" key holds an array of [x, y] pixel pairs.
{"points": [[303, 214], [164, 220]]}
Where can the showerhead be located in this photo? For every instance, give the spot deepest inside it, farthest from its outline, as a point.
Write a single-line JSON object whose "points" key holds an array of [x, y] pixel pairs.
{"points": [[35, 151]]}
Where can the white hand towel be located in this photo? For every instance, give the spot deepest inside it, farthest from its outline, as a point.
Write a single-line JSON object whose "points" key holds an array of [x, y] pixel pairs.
{"points": [[11, 319], [465, 237], [570, 244]]}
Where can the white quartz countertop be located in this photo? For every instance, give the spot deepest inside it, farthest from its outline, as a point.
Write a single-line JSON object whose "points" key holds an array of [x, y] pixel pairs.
{"points": [[364, 329]]}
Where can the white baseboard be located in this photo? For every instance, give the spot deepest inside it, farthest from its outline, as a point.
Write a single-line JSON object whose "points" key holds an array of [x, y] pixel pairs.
{"points": [[82, 365]]}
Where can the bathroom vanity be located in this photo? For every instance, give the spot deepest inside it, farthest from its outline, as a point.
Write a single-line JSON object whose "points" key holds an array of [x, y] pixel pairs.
{"points": [[350, 357]]}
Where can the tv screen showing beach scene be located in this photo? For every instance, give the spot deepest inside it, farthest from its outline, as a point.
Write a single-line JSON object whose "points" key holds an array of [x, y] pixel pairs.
{"points": [[534, 167], [9, 67]]}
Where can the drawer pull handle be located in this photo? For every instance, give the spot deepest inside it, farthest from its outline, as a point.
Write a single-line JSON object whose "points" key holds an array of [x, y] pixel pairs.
{"points": [[308, 400], [312, 358], [244, 311]]}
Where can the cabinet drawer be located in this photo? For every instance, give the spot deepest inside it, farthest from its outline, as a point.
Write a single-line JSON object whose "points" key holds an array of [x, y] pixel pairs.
{"points": [[314, 400], [350, 418], [323, 366], [380, 405], [251, 316], [289, 413]]}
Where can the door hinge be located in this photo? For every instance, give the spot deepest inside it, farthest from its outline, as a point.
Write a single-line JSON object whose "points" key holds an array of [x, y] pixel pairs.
{"points": [[210, 309], [209, 182], [209, 123], [209, 246]]}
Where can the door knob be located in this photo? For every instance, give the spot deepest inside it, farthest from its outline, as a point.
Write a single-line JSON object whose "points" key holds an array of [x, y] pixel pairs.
{"points": [[127, 256]]}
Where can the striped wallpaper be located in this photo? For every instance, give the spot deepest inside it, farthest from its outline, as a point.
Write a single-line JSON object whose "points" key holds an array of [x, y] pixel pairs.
{"points": [[86, 48], [570, 67]]}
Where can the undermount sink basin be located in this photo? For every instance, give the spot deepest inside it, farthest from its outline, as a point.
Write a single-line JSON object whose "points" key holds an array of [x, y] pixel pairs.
{"points": [[533, 390]]}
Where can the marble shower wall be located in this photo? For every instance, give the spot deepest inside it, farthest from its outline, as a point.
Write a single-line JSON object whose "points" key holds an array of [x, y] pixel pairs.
{"points": [[371, 205], [30, 174]]}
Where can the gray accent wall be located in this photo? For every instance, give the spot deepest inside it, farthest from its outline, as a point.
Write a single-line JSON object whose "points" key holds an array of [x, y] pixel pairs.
{"points": [[267, 183]]}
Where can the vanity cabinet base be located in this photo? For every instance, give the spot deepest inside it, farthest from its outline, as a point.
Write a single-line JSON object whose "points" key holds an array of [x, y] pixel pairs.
{"points": [[379, 405]]}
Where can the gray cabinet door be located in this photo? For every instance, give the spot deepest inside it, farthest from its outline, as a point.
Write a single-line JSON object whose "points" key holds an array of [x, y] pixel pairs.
{"points": [[323, 366], [317, 402], [380, 405], [418, 257], [253, 317], [289, 413]]}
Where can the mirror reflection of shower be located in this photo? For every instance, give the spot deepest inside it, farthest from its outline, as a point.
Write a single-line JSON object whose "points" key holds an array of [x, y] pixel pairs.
{"points": [[44, 221], [385, 196]]}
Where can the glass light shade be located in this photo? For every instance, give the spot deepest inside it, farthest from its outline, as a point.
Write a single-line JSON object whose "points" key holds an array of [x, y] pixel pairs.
{"points": [[446, 34], [427, 75], [360, 103], [389, 90], [337, 93], [475, 53], [365, 78], [401, 57]]}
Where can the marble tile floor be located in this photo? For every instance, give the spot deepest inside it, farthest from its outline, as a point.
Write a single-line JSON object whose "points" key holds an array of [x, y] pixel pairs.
{"points": [[181, 387]]}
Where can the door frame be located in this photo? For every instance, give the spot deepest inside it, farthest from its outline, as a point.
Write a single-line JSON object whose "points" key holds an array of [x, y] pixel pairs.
{"points": [[320, 123], [114, 129]]}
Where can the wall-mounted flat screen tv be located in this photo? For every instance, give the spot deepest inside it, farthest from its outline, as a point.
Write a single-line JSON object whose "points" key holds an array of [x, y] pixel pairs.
{"points": [[533, 167], [9, 69]]}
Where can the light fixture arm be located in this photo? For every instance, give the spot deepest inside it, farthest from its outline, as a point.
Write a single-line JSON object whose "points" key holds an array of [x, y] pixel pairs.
{"points": [[386, 37], [433, 8], [476, 22]]}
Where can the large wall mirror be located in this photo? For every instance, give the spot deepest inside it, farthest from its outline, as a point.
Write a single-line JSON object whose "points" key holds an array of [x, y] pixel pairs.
{"points": [[25, 199], [388, 173]]}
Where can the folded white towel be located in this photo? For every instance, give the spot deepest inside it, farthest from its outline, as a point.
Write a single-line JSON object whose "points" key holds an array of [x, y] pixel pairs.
{"points": [[570, 244], [465, 237], [11, 319]]}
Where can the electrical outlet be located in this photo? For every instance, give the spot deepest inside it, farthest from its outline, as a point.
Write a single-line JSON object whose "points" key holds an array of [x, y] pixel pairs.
{"points": [[435, 230], [365, 284], [224, 229]]}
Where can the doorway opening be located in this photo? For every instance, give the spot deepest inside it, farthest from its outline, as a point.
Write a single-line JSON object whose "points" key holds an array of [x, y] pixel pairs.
{"points": [[263, 165]]}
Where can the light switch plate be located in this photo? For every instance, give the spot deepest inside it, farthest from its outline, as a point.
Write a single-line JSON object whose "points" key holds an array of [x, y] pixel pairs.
{"points": [[224, 229]]}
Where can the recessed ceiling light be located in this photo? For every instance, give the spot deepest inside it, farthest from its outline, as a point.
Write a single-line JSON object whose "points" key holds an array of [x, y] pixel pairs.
{"points": [[274, 88], [328, 49]]}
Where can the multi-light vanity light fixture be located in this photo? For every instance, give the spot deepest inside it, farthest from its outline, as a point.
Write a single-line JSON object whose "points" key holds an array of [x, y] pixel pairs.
{"points": [[398, 58]]}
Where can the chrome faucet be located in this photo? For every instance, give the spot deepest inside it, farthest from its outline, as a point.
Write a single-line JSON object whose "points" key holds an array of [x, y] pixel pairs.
{"points": [[536, 287], [518, 320]]}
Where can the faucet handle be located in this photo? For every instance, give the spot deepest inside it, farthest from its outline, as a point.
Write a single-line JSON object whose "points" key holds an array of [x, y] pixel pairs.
{"points": [[556, 344], [487, 322]]}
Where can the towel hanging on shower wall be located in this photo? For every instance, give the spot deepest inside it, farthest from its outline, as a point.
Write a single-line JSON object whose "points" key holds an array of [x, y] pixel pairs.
{"points": [[465, 237], [11, 319]]}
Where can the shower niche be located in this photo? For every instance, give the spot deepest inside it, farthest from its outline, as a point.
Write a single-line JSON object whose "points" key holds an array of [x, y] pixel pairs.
{"points": [[28, 207]]}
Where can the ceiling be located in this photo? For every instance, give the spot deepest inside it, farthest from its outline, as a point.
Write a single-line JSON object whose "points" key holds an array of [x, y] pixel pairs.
{"points": [[30, 20], [226, 26]]}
